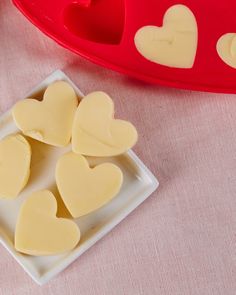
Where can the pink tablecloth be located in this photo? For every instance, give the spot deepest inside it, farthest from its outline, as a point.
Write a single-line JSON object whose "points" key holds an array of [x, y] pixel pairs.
{"points": [[182, 240]]}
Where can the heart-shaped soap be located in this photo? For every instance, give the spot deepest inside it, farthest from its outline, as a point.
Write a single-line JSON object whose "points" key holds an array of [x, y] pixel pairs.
{"points": [[50, 120], [175, 43], [39, 231], [95, 131], [84, 189], [226, 48], [15, 157]]}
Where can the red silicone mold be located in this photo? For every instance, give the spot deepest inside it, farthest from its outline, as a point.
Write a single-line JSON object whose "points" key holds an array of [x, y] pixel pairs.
{"points": [[103, 31]]}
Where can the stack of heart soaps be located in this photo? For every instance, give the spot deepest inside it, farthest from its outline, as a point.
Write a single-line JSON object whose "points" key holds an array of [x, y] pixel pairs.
{"points": [[58, 120]]}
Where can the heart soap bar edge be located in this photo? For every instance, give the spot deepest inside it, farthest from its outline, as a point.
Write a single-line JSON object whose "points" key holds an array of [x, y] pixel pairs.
{"points": [[38, 230], [95, 132], [50, 120], [15, 159], [84, 189]]}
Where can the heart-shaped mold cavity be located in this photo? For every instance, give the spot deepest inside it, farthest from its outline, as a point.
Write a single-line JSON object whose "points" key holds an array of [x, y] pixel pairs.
{"points": [[100, 21]]}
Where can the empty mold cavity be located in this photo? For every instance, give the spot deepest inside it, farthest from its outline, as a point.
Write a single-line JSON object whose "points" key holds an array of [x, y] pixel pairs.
{"points": [[100, 21]]}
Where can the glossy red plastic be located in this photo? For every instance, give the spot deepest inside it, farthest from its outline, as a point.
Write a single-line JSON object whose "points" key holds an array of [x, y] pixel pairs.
{"points": [[103, 31]]}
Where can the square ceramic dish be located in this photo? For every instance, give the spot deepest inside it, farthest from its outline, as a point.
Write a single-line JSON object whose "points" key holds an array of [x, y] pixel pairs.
{"points": [[138, 184]]}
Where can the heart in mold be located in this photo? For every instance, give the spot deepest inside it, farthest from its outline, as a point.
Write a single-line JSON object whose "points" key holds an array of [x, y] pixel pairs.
{"points": [[103, 31]]}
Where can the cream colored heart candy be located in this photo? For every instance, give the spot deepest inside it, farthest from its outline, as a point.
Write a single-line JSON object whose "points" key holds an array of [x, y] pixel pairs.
{"points": [[95, 131], [50, 120], [39, 231], [15, 157], [226, 49], [175, 43], [84, 189]]}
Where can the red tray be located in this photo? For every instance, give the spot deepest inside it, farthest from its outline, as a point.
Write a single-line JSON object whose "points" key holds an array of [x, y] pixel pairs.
{"points": [[103, 31]]}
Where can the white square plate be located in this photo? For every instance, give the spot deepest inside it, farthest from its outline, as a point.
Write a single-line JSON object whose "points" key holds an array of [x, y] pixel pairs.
{"points": [[138, 184]]}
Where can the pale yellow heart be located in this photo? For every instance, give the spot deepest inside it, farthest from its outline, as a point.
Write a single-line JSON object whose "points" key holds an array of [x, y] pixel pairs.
{"points": [[95, 131], [39, 231], [15, 157], [50, 120], [175, 43], [83, 189], [226, 48]]}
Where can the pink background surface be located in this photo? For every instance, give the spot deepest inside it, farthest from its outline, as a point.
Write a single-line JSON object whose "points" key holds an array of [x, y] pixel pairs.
{"points": [[182, 240]]}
